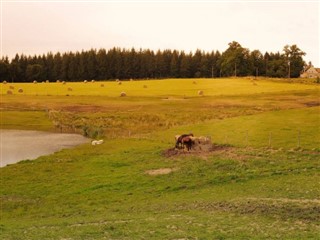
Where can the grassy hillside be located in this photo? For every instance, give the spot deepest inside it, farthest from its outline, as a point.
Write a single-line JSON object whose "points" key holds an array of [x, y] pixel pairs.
{"points": [[245, 189]]}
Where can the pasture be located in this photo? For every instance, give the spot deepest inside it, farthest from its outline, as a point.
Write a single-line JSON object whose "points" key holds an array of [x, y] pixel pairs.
{"points": [[261, 182]]}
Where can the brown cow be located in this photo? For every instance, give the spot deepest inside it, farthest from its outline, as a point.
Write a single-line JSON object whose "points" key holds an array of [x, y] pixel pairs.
{"points": [[179, 143], [188, 142]]}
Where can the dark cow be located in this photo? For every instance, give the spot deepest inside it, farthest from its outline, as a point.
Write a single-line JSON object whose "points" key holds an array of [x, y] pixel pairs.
{"points": [[188, 142], [184, 140]]}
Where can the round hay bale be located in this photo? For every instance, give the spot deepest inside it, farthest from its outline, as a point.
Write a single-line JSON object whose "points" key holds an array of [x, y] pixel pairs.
{"points": [[58, 81], [123, 94], [131, 79], [101, 85], [43, 81], [4, 82], [85, 81], [202, 144], [35, 82], [145, 86], [11, 87], [47, 81], [92, 80], [69, 89], [9, 92], [117, 80], [63, 82], [119, 83], [20, 90], [200, 93]]}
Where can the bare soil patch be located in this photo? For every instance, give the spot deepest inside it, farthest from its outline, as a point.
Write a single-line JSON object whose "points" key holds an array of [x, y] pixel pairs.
{"points": [[298, 209], [312, 104], [205, 151], [160, 171], [83, 108]]}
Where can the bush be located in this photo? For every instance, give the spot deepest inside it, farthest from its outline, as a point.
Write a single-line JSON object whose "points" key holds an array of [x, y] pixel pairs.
{"points": [[92, 131]]}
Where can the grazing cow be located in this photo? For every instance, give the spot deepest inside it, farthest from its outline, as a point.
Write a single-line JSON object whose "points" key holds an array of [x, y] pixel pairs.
{"points": [[188, 142], [179, 143]]}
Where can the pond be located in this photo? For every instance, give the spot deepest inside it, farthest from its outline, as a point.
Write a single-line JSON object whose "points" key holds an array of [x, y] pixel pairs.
{"points": [[17, 145]]}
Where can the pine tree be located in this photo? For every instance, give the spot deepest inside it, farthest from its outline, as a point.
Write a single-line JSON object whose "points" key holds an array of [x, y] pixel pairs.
{"points": [[174, 65], [4, 69], [57, 64]]}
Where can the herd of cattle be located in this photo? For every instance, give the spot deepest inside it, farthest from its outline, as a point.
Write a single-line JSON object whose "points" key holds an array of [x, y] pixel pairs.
{"points": [[190, 142], [184, 141]]}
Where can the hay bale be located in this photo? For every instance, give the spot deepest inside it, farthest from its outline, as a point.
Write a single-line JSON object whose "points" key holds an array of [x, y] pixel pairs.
{"points": [[9, 92], [47, 81], [131, 79], [119, 83], [203, 144], [4, 82], [85, 81], [11, 87], [69, 89], [58, 81], [92, 80], [63, 82], [200, 93], [101, 85], [35, 82], [123, 94], [117, 80], [20, 90]]}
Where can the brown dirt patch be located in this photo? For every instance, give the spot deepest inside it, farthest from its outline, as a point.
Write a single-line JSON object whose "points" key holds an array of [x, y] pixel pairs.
{"points": [[306, 210], [312, 104], [174, 152], [160, 171], [83, 108]]}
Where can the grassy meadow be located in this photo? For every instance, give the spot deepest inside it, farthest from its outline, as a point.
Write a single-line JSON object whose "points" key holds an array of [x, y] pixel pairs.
{"points": [[262, 181]]}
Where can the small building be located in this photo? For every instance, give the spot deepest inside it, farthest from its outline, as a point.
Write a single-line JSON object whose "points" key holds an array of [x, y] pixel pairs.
{"points": [[310, 72]]}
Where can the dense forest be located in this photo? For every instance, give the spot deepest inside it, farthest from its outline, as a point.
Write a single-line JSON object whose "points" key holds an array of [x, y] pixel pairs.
{"points": [[117, 63]]}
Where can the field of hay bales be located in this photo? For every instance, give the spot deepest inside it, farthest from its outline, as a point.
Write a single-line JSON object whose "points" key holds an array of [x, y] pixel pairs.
{"points": [[155, 88], [260, 181]]}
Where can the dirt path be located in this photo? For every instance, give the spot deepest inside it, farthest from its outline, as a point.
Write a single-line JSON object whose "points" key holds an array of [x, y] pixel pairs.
{"points": [[17, 145]]}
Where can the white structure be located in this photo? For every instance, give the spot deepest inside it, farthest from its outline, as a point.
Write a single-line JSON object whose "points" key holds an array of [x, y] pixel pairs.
{"points": [[311, 72]]}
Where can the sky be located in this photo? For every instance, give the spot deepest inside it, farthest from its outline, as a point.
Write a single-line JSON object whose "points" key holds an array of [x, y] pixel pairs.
{"points": [[37, 27]]}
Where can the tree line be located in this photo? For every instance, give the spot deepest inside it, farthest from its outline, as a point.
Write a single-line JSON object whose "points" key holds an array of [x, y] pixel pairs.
{"points": [[117, 63]]}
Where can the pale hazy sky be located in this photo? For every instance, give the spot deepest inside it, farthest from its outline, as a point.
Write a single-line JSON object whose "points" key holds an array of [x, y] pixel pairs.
{"points": [[39, 27]]}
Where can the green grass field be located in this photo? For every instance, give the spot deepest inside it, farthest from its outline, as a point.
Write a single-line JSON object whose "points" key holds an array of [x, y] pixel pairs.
{"points": [[262, 182]]}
